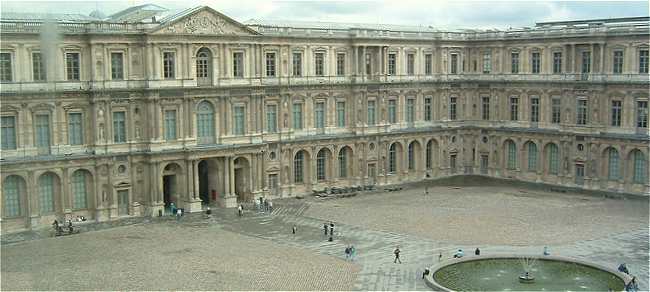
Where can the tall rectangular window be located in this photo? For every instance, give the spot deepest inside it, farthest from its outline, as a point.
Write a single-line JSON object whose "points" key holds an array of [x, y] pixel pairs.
{"points": [[556, 109], [271, 118], [42, 127], [319, 64], [368, 64], [410, 110], [536, 62], [169, 65], [557, 62], [5, 67], [340, 64], [410, 64], [428, 107], [75, 129], [487, 62], [581, 117], [340, 114], [8, 136], [239, 116], [534, 109], [485, 113], [452, 108], [643, 61], [270, 64], [392, 111], [72, 66], [514, 61], [296, 64], [616, 113], [392, 64], [514, 108], [119, 127], [454, 63], [586, 62], [38, 67], [170, 125], [319, 115], [618, 62], [297, 116], [238, 65], [117, 66], [428, 64], [642, 113], [371, 112]]}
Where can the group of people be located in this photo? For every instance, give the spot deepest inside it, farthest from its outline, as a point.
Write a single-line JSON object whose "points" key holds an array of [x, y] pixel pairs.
{"points": [[329, 228], [350, 252], [264, 205], [58, 228]]}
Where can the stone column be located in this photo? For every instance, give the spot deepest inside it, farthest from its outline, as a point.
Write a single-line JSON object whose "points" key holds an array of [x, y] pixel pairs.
{"points": [[31, 189], [601, 68]]}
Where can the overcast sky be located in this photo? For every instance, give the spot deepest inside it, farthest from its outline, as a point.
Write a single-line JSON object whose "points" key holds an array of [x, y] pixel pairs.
{"points": [[441, 14]]}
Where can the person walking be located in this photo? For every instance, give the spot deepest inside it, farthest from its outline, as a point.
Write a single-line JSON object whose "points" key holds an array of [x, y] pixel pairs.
{"points": [[240, 210], [440, 257], [178, 214], [353, 252], [396, 252], [325, 228], [270, 206], [347, 253], [331, 228], [293, 230]]}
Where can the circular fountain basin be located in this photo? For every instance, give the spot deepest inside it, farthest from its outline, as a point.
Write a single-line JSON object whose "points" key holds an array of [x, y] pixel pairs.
{"points": [[501, 273]]}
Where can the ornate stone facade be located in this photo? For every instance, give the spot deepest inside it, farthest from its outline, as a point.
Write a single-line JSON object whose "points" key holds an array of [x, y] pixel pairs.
{"points": [[201, 109]]}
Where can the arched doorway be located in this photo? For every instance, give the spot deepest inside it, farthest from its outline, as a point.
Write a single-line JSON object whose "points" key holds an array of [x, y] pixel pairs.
{"points": [[208, 181], [242, 180], [172, 183], [204, 67]]}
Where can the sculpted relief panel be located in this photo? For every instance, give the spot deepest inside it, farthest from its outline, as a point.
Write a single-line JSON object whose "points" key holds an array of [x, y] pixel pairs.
{"points": [[205, 22]]}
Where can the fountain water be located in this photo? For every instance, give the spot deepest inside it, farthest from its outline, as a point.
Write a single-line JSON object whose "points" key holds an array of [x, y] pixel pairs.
{"points": [[528, 263]]}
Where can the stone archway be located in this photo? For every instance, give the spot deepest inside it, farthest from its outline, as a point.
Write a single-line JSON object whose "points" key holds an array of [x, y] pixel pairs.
{"points": [[172, 184], [242, 180], [209, 182]]}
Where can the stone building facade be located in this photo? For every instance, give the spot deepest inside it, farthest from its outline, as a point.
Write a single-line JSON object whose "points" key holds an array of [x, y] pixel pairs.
{"points": [[107, 119]]}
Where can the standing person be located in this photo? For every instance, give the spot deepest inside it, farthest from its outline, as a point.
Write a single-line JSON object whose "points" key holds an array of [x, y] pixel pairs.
{"points": [[172, 207], [270, 206], [178, 214], [266, 205], [325, 228], [477, 251], [262, 204], [426, 191], [347, 253], [293, 230], [440, 257], [240, 210], [546, 252], [353, 252], [396, 252], [331, 228]]}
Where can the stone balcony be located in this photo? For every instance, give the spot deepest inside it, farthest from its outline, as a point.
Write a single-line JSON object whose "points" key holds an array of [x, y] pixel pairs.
{"points": [[88, 86]]}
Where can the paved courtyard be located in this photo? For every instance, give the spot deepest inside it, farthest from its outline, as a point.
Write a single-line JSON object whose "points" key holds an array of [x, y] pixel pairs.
{"points": [[258, 251]]}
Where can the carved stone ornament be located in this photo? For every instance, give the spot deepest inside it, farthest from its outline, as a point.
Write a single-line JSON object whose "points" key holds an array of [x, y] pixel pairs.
{"points": [[204, 23]]}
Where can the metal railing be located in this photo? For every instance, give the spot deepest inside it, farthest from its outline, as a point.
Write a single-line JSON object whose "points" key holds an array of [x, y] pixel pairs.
{"points": [[59, 86]]}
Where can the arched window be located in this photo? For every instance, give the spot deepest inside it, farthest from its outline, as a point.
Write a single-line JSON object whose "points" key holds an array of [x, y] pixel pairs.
{"points": [[640, 175], [321, 165], [392, 159], [79, 190], [46, 193], [343, 162], [298, 167], [205, 123], [613, 162], [411, 156], [553, 159], [532, 156], [11, 190], [512, 155], [203, 67]]}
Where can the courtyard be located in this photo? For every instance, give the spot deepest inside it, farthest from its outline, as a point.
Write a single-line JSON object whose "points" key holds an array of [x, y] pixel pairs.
{"points": [[259, 252]]}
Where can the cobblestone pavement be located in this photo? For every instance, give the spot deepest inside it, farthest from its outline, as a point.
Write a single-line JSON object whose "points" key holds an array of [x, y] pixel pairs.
{"points": [[258, 251]]}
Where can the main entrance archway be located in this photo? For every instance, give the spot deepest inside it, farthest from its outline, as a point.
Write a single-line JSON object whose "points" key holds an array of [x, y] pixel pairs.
{"points": [[242, 180], [208, 181], [172, 184]]}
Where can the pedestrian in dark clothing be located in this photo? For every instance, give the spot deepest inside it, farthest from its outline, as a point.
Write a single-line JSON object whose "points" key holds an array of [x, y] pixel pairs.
{"points": [[477, 251], [426, 273], [440, 257], [330, 239], [396, 252], [325, 228], [623, 269], [293, 230], [331, 228], [347, 253]]}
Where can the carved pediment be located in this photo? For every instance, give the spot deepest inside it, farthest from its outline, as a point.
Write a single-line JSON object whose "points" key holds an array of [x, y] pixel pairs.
{"points": [[204, 20]]}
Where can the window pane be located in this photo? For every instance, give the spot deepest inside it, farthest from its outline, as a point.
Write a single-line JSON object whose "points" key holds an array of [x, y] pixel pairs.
{"points": [[42, 125], [238, 65], [340, 64], [8, 133], [38, 68], [117, 66], [5, 67], [239, 120], [46, 193], [170, 125], [169, 65], [72, 66], [119, 127], [371, 112], [297, 116], [79, 190], [319, 59], [271, 118], [270, 64], [297, 64], [11, 191], [642, 114], [392, 111], [75, 129], [340, 114]]}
